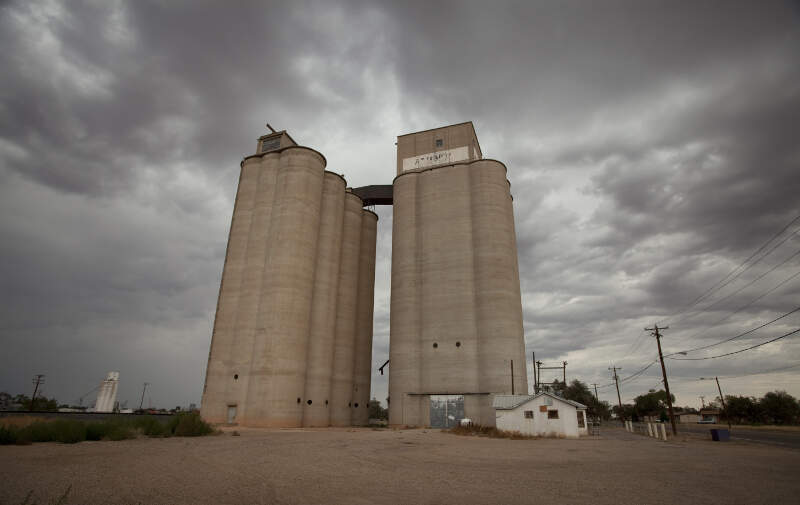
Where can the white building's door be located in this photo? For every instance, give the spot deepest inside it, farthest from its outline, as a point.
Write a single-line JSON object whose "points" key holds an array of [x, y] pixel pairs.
{"points": [[231, 414]]}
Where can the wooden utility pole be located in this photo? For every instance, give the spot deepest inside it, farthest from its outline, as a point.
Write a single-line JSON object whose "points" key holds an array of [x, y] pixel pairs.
{"points": [[535, 383], [656, 334], [565, 373], [619, 398], [38, 379], [595, 393], [512, 376], [539, 373], [143, 390], [721, 399]]}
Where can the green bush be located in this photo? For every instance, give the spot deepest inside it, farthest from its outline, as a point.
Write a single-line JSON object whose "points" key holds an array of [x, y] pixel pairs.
{"points": [[8, 435], [189, 424], [152, 427], [68, 431]]}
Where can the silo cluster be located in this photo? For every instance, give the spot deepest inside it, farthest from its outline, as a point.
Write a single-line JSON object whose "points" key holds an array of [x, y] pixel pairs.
{"points": [[292, 340]]}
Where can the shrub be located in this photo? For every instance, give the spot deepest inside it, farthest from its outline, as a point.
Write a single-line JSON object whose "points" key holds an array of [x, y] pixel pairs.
{"points": [[8, 435], [152, 427], [189, 424], [68, 431]]}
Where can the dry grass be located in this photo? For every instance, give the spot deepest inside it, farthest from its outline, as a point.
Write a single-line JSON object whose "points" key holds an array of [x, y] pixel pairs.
{"points": [[20, 421], [490, 432]]}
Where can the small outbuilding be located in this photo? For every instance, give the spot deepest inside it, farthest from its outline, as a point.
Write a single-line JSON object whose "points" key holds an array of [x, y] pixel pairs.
{"points": [[542, 414]]}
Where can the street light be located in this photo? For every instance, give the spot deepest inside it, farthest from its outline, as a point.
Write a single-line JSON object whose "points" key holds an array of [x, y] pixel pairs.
{"points": [[722, 398]]}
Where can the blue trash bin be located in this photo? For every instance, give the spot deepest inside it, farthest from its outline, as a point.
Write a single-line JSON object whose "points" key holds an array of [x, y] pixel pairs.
{"points": [[720, 435]]}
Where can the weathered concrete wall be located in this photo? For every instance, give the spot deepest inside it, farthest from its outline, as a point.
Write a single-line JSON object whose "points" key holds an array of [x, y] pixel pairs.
{"points": [[282, 350], [346, 313], [362, 366], [316, 410], [456, 312]]}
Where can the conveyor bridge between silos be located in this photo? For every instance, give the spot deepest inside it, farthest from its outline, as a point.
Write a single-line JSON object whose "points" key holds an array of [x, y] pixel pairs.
{"points": [[380, 194]]}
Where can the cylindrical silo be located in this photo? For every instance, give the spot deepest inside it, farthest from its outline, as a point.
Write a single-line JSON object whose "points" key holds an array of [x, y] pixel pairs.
{"points": [[346, 308], [316, 399], [362, 369], [499, 306], [215, 399], [449, 340], [277, 379], [405, 327], [250, 289]]}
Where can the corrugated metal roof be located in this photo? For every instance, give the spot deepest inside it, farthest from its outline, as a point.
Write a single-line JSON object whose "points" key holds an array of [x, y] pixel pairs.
{"points": [[509, 402]]}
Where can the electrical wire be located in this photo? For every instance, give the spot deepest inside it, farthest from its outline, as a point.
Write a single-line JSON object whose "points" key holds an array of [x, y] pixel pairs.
{"points": [[705, 309], [751, 302], [740, 350], [734, 338], [761, 372], [720, 284]]}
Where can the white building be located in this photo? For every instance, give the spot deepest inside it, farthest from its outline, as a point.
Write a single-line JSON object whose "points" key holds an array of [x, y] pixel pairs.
{"points": [[542, 414], [107, 394]]}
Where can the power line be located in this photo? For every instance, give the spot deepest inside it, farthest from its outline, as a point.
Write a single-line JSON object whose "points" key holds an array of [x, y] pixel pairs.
{"points": [[718, 285], [740, 350], [744, 287], [751, 302], [773, 370], [737, 336]]}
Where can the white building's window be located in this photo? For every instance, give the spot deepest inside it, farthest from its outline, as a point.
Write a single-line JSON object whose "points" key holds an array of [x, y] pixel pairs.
{"points": [[581, 423], [552, 414], [528, 414]]}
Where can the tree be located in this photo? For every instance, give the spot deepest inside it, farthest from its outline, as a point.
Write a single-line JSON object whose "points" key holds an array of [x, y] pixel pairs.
{"points": [[41, 403], [651, 404], [376, 411], [780, 407], [740, 409], [579, 392]]}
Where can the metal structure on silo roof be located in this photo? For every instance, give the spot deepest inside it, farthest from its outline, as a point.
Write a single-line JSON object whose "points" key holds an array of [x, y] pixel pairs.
{"points": [[292, 338]]}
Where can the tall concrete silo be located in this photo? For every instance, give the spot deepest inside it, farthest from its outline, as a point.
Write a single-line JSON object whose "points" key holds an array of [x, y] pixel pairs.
{"points": [[346, 315], [285, 329], [107, 393], [362, 365], [456, 312]]}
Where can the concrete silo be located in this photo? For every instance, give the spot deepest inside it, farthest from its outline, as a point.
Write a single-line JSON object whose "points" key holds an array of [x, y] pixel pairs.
{"points": [[456, 312], [286, 324]]}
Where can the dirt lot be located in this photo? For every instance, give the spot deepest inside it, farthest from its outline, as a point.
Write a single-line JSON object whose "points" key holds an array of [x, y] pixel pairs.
{"points": [[367, 466]]}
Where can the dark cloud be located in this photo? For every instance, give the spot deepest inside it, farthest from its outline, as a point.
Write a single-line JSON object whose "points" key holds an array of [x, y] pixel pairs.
{"points": [[651, 148]]}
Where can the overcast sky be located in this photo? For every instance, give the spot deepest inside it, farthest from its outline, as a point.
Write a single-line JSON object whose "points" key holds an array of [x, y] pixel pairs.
{"points": [[652, 147]]}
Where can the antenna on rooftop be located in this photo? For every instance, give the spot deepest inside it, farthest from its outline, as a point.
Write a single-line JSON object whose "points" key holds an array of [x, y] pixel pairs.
{"points": [[271, 128]]}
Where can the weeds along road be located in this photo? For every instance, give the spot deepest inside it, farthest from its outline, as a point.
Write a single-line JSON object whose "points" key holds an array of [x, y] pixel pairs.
{"points": [[763, 435], [365, 466]]}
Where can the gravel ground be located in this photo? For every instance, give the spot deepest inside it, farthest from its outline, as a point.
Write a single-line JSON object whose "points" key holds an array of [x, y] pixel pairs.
{"points": [[364, 466]]}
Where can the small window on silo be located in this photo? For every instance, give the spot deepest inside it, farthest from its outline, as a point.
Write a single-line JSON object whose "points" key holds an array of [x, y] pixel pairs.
{"points": [[439, 142]]}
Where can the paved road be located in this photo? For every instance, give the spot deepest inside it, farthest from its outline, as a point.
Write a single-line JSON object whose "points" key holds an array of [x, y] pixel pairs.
{"points": [[760, 436]]}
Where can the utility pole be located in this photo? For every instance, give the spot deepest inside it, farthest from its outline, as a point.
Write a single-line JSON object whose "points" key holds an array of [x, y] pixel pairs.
{"points": [[595, 393], [656, 334], [565, 373], [512, 376], [721, 398], [619, 398], [535, 383], [38, 379], [539, 373], [143, 390]]}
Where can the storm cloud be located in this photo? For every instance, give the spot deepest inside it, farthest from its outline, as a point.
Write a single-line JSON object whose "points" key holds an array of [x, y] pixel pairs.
{"points": [[651, 147]]}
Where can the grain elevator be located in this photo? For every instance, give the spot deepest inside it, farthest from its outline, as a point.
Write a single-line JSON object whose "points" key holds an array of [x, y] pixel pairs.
{"points": [[292, 338]]}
